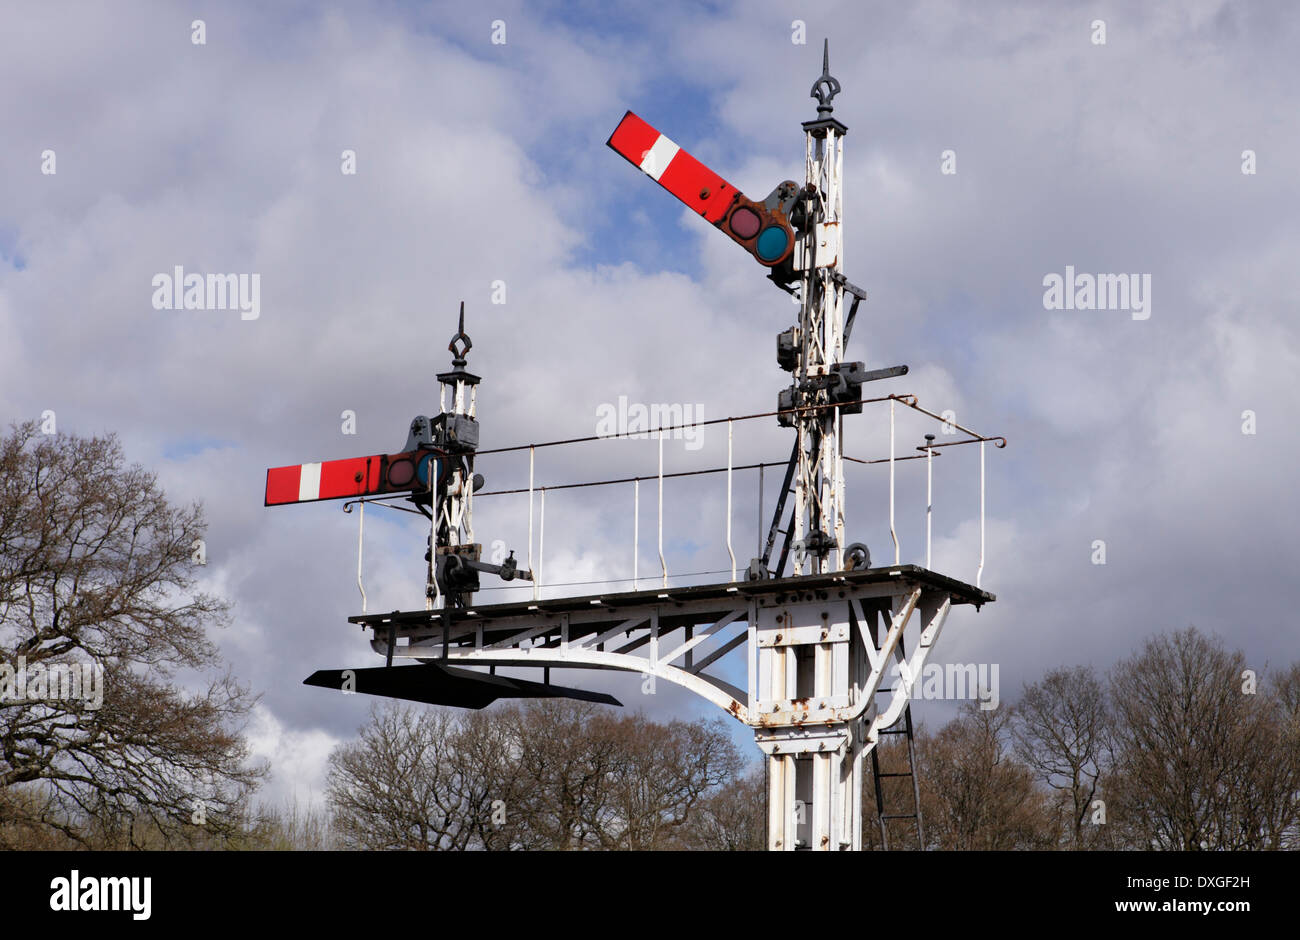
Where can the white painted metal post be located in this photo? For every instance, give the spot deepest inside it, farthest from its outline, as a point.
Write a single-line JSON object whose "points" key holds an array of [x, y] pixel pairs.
{"points": [[531, 454], [893, 533], [929, 499], [636, 531], [662, 564], [729, 549]]}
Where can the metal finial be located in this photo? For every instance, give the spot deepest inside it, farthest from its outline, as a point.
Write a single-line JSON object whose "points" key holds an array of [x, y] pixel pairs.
{"points": [[826, 87], [458, 355]]}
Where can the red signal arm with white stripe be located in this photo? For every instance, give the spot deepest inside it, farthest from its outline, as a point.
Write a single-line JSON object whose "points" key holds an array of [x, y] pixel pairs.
{"points": [[673, 168], [761, 228], [342, 479]]}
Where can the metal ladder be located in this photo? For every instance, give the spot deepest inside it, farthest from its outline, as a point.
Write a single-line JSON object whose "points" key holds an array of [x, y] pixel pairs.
{"points": [[787, 490], [906, 729]]}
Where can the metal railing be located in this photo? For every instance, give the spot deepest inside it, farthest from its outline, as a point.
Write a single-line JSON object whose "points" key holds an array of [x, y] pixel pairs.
{"points": [[928, 452]]}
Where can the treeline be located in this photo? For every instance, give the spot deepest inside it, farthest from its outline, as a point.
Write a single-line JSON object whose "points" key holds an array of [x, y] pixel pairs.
{"points": [[1180, 747], [550, 774]]}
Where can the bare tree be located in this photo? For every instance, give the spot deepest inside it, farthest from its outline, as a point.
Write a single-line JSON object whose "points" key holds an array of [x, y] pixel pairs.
{"points": [[394, 788], [569, 755], [549, 774], [733, 818], [1203, 760], [488, 779], [95, 571], [974, 793], [1280, 811], [1061, 731], [664, 773], [588, 778]]}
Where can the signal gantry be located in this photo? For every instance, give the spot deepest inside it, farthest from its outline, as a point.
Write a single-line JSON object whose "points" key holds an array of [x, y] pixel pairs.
{"points": [[817, 642]]}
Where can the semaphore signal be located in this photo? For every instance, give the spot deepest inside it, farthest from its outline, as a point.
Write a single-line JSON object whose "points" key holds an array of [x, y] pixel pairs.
{"points": [[814, 644]]}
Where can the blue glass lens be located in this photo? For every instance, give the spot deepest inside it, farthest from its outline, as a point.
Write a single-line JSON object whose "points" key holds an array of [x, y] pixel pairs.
{"points": [[772, 243]]}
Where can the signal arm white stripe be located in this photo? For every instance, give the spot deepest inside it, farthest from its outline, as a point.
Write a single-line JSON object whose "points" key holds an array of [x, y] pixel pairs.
{"points": [[309, 481], [658, 157]]}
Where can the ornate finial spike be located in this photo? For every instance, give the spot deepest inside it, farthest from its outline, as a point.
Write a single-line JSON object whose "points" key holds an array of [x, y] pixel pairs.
{"points": [[826, 87], [458, 355]]}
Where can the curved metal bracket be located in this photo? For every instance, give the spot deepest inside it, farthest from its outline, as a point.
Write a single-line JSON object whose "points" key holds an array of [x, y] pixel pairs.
{"points": [[580, 659]]}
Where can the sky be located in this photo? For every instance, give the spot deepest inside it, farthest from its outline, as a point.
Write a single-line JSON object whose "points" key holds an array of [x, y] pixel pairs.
{"points": [[1168, 438]]}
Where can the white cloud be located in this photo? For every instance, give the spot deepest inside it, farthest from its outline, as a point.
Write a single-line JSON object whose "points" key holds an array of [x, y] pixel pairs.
{"points": [[299, 761]]}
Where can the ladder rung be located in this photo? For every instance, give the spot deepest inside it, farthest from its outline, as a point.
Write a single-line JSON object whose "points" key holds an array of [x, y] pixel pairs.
{"points": [[900, 816], [908, 774]]}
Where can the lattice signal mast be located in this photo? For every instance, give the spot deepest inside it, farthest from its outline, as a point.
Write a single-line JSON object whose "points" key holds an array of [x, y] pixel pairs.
{"points": [[435, 469], [797, 233]]}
